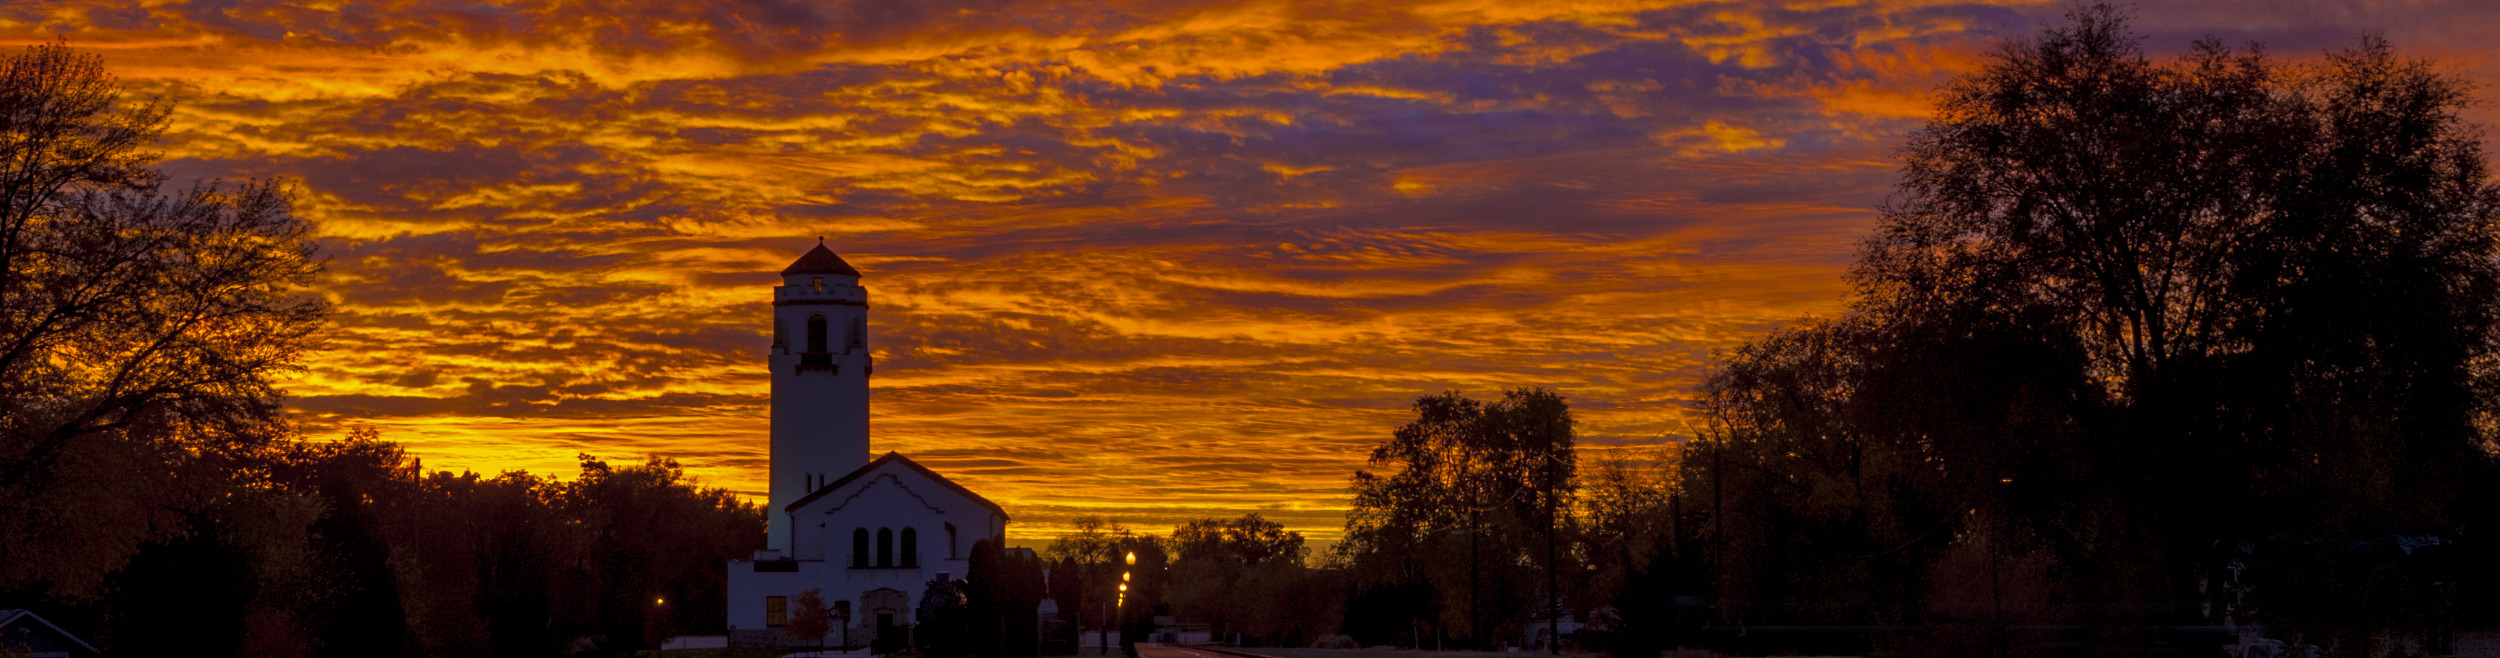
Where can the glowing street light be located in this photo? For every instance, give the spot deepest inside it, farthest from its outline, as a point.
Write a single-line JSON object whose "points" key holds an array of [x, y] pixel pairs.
{"points": [[1124, 578]]}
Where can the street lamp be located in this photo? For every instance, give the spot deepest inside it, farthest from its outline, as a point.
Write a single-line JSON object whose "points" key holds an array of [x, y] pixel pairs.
{"points": [[1131, 566], [1124, 575], [1122, 607]]}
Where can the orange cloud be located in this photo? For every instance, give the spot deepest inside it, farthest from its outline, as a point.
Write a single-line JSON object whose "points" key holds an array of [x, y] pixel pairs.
{"points": [[1150, 260]]}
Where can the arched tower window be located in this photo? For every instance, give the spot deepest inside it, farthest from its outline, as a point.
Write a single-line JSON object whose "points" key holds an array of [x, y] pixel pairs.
{"points": [[859, 332], [911, 547], [885, 547], [816, 334], [859, 548]]}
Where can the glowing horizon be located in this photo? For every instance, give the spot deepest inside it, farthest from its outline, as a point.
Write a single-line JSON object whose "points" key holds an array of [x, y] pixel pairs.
{"points": [[1147, 261]]}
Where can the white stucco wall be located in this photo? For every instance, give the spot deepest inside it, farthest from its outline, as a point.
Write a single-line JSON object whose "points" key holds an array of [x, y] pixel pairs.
{"points": [[819, 414], [892, 496]]}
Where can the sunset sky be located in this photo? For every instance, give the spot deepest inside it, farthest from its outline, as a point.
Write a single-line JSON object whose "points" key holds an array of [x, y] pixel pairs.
{"points": [[1152, 261]]}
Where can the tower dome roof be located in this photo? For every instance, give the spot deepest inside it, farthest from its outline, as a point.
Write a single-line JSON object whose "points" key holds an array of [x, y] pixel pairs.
{"points": [[820, 261]]}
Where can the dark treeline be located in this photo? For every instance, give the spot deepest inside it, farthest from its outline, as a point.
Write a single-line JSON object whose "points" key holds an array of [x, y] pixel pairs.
{"points": [[1246, 576], [349, 548], [2203, 342], [1449, 542], [2146, 355], [1475, 527], [1454, 525], [153, 496]]}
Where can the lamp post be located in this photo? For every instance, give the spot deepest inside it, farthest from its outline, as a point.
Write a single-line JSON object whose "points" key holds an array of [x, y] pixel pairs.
{"points": [[1127, 644]]}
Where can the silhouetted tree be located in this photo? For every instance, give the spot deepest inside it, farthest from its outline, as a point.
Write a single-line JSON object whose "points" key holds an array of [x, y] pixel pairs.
{"points": [[944, 622], [986, 588], [141, 329], [1216, 555], [359, 612], [2106, 349], [650, 535], [1393, 613], [184, 596], [347, 544], [1470, 497], [1287, 604], [1644, 619], [1068, 589], [1245, 541], [1629, 544], [1003, 590], [1099, 548]]}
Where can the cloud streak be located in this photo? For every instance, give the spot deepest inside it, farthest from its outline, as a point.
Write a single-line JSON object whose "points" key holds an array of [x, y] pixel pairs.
{"points": [[1148, 260]]}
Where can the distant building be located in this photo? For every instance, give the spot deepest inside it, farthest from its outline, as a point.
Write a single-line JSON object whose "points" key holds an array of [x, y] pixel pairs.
{"points": [[868, 535], [23, 633], [1538, 635]]}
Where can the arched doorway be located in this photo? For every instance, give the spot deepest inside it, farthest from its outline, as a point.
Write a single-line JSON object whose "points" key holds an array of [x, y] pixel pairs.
{"points": [[884, 620]]}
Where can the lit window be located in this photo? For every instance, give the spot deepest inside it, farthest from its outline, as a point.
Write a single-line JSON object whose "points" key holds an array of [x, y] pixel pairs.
{"points": [[776, 610]]}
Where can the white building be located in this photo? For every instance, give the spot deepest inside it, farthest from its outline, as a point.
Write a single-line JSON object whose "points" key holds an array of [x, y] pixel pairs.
{"points": [[866, 535]]}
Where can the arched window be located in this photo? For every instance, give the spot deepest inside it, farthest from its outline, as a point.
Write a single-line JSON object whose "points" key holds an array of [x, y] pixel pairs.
{"points": [[885, 547], [911, 547], [950, 541], [859, 332], [859, 548], [816, 334]]}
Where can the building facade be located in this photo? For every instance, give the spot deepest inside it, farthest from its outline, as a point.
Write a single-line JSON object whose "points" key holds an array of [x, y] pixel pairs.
{"points": [[867, 536]]}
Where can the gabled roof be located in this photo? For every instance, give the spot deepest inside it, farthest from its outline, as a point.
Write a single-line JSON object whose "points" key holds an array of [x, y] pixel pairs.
{"points": [[14, 617], [820, 261], [896, 458]]}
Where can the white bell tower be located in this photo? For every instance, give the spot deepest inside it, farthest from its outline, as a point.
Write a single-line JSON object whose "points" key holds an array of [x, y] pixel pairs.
{"points": [[820, 381]]}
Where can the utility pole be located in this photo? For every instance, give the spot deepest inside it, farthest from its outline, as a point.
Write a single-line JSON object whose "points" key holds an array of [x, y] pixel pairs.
{"points": [[1103, 629], [1718, 521], [1553, 599], [1996, 585], [1475, 519]]}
